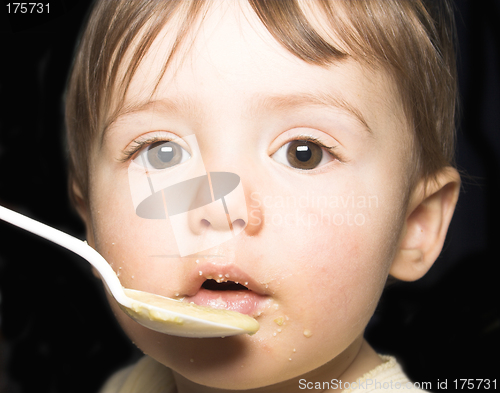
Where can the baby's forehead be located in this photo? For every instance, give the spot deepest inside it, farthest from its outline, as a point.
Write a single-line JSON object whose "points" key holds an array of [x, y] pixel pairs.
{"points": [[187, 30], [230, 39]]}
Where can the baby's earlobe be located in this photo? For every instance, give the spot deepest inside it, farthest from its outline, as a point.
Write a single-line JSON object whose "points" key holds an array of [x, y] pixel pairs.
{"points": [[409, 265]]}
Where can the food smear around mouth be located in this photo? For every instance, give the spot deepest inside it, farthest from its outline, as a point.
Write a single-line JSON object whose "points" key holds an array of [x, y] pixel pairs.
{"points": [[221, 316]]}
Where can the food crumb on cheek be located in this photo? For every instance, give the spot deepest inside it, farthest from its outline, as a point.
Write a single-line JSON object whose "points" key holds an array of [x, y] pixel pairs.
{"points": [[307, 333]]}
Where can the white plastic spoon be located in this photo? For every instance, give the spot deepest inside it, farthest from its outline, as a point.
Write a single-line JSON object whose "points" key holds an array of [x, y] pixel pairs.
{"points": [[155, 312]]}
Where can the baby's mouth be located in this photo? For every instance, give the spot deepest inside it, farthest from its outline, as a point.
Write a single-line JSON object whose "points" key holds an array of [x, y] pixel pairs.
{"points": [[213, 285], [223, 293]]}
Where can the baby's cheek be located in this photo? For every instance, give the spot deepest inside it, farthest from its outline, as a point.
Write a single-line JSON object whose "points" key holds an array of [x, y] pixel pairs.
{"points": [[337, 284], [139, 250]]}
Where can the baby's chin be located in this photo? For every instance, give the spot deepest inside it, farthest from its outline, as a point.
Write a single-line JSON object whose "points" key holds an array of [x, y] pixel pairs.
{"points": [[280, 351], [250, 363]]}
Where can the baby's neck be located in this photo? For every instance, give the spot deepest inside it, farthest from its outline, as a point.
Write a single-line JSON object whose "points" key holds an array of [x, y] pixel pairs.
{"points": [[366, 359]]}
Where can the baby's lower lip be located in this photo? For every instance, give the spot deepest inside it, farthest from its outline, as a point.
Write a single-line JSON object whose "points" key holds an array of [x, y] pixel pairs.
{"points": [[243, 301]]}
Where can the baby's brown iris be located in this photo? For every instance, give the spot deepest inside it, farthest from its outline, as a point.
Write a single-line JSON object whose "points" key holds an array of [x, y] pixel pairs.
{"points": [[304, 154]]}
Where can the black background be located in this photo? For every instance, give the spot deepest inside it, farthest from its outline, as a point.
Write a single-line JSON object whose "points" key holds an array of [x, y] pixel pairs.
{"points": [[443, 327]]}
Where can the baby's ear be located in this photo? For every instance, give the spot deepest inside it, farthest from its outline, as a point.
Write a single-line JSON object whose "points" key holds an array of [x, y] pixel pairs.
{"points": [[83, 210], [428, 216]]}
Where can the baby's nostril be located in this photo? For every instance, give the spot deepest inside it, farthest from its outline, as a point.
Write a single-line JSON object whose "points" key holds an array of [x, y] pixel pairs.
{"points": [[213, 285], [239, 224]]}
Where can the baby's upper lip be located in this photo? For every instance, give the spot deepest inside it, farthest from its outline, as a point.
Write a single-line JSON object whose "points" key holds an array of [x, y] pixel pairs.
{"points": [[222, 273]]}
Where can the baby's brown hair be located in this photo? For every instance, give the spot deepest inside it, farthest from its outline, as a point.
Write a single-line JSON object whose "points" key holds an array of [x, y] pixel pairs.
{"points": [[412, 40]]}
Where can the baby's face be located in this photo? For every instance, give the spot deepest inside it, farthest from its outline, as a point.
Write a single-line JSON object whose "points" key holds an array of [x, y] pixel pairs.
{"points": [[321, 225]]}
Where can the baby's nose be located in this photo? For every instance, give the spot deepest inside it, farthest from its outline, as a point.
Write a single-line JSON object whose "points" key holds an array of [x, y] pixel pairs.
{"points": [[226, 211], [206, 211]]}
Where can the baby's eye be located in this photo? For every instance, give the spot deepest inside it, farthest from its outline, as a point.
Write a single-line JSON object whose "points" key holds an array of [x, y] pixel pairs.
{"points": [[302, 154], [162, 155]]}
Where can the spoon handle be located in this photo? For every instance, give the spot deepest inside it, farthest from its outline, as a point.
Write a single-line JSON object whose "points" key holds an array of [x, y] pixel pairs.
{"points": [[71, 243]]}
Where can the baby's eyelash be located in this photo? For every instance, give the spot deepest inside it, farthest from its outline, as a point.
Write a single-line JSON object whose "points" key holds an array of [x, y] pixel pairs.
{"points": [[138, 144], [329, 149]]}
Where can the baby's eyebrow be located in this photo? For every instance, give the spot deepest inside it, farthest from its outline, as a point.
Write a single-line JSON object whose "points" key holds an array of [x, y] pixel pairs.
{"points": [[283, 102], [164, 105], [258, 103], [178, 105]]}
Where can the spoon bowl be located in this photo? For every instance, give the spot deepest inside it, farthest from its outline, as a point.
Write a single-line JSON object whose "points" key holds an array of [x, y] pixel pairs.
{"points": [[155, 312]]}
